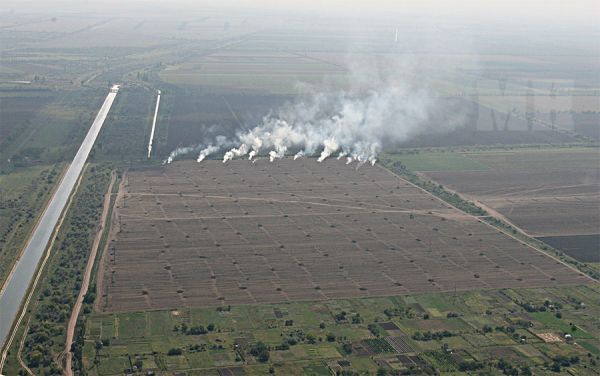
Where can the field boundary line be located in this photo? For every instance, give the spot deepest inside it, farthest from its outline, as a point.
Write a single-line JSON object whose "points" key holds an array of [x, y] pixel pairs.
{"points": [[114, 217], [491, 212]]}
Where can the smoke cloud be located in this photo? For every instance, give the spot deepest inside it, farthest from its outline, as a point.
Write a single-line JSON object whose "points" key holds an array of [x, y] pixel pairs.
{"points": [[181, 151], [383, 105], [205, 150]]}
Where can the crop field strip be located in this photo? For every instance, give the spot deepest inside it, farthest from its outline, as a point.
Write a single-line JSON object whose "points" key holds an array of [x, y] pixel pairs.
{"points": [[149, 335], [551, 194], [202, 235], [584, 248], [529, 196]]}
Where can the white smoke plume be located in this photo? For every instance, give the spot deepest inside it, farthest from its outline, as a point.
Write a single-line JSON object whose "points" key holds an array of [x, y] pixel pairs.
{"points": [[180, 151], [210, 149], [207, 151], [278, 153], [383, 106], [236, 152], [362, 124], [204, 151], [330, 147]]}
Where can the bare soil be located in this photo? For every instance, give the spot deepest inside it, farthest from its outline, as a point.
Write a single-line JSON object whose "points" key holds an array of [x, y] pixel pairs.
{"points": [[214, 234], [546, 193]]}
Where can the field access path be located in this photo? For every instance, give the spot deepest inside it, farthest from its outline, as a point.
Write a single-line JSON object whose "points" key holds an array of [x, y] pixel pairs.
{"points": [[68, 360], [23, 274]]}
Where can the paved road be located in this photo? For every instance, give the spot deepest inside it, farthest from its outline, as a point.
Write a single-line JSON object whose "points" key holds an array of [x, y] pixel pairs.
{"points": [[16, 285]]}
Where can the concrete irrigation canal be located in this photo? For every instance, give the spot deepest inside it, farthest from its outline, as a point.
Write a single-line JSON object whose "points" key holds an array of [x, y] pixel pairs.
{"points": [[14, 291]]}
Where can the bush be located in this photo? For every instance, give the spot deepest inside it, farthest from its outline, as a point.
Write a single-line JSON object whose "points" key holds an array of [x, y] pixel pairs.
{"points": [[174, 351], [347, 348], [196, 330], [260, 351], [469, 366], [428, 336], [263, 357], [375, 330]]}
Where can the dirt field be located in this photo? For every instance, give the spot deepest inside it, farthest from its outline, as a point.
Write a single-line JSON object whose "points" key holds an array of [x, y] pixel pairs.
{"points": [[551, 194], [546, 192], [584, 248], [195, 115], [202, 235]]}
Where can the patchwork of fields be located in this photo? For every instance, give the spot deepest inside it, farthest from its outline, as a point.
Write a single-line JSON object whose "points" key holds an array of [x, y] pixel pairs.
{"points": [[254, 71], [202, 235], [44, 127], [362, 335], [546, 192]]}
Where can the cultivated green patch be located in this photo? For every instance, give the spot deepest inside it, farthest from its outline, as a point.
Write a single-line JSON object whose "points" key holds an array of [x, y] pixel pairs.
{"points": [[491, 330]]}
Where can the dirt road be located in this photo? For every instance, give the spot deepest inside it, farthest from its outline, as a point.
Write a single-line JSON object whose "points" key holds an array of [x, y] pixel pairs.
{"points": [[67, 354], [114, 226]]}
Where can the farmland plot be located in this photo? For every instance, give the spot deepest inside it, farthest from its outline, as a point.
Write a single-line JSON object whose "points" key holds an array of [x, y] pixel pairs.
{"points": [[548, 193], [206, 235]]}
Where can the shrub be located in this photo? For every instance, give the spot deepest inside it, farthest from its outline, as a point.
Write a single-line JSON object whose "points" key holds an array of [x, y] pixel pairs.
{"points": [[174, 351]]}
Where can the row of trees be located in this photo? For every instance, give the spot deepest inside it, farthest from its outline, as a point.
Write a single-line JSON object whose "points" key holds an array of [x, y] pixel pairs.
{"points": [[62, 279]]}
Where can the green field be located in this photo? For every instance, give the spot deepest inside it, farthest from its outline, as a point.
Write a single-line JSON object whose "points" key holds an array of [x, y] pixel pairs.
{"points": [[309, 338], [46, 131], [538, 158], [542, 157], [240, 70], [275, 83], [22, 195]]}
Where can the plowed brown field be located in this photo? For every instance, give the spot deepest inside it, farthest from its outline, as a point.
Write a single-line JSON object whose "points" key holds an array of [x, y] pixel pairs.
{"points": [[212, 234]]}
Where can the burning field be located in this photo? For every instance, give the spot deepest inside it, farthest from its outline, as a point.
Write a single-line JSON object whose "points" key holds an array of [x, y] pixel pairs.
{"points": [[214, 234]]}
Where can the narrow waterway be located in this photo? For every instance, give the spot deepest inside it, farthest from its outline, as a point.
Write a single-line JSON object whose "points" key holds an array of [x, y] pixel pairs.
{"points": [[17, 284], [153, 124]]}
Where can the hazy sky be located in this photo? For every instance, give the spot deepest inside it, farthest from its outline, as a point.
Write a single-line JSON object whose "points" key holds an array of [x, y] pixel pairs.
{"points": [[581, 8], [576, 20]]}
